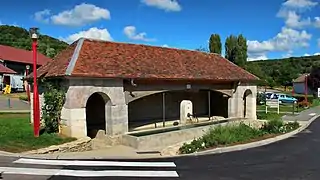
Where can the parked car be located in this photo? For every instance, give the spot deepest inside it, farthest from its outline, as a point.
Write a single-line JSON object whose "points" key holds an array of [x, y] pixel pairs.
{"points": [[283, 98]]}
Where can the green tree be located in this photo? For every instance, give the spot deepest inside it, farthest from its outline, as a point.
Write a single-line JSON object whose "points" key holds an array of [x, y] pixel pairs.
{"points": [[241, 54], [230, 47], [236, 50], [19, 37], [215, 45]]}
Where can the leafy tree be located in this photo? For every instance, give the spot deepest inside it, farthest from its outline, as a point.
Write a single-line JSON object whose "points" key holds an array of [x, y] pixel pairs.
{"points": [[230, 47], [241, 51], [313, 80], [19, 37], [215, 45]]}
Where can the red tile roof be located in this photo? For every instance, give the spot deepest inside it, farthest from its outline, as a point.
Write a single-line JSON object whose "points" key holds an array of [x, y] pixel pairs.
{"points": [[301, 78], [13, 54], [102, 59], [5, 70]]}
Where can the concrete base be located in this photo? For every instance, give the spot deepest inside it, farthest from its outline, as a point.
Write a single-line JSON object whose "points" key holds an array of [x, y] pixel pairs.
{"points": [[162, 140]]}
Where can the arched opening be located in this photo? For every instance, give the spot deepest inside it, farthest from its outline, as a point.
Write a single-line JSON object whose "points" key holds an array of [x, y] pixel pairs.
{"points": [[165, 107], [97, 113], [247, 96]]}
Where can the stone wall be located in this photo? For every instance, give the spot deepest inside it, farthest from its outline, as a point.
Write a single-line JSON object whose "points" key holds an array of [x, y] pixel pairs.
{"points": [[236, 101], [74, 111]]}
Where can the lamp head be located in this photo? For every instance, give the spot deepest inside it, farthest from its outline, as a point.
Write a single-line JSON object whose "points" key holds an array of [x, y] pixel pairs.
{"points": [[34, 32]]}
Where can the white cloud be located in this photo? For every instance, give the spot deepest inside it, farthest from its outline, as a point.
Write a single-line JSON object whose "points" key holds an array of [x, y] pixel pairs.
{"points": [[299, 4], [255, 57], [165, 45], [131, 33], [167, 5], [317, 22], [287, 40], [81, 14], [94, 33], [315, 54], [319, 42], [293, 20], [42, 16]]}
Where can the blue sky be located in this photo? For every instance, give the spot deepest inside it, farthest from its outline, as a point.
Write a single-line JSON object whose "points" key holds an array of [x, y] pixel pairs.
{"points": [[274, 28]]}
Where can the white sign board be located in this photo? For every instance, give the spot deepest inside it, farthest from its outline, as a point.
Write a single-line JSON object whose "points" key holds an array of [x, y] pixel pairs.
{"points": [[318, 92], [273, 103]]}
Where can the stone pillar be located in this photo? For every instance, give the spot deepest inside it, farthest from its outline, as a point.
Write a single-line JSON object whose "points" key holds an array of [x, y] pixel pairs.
{"points": [[185, 109], [117, 124], [73, 122]]}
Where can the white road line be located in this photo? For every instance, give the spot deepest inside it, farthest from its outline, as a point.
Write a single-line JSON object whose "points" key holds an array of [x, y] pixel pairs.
{"points": [[312, 114], [82, 173], [94, 163]]}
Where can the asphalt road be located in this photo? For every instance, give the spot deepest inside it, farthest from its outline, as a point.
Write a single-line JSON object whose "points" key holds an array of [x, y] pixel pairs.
{"points": [[295, 158]]}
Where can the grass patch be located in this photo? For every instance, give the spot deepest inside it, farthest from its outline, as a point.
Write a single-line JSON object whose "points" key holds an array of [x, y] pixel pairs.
{"points": [[237, 134], [16, 134], [15, 95], [268, 116], [282, 108]]}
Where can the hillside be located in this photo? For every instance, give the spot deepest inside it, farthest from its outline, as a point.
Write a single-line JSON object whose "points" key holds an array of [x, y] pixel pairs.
{"points": [[282, 71], [19, 37]]}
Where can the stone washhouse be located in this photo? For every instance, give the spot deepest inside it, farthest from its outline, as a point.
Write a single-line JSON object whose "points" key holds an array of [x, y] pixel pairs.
{"points": [[115, 87]]}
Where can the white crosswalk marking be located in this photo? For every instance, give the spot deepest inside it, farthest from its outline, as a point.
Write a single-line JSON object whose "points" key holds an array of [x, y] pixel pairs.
{"points": [[85, 168], [83, 173], [94, 163]]}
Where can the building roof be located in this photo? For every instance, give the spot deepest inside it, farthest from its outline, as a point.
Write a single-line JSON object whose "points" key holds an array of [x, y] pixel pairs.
{"points": [[13, 54], [301, 78], [104, 59], [5, 70]]}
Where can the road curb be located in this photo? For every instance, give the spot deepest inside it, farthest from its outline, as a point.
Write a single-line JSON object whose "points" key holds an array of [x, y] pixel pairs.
{"points": [[207, 152]]}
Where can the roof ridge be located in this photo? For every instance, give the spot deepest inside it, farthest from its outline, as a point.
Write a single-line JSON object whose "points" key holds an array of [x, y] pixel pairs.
{"points": [[74, 57], [147, 45]]}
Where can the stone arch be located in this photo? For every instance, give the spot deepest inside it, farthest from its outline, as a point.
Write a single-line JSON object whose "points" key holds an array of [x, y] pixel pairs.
{"points": [[248, 102], [98, 113]]}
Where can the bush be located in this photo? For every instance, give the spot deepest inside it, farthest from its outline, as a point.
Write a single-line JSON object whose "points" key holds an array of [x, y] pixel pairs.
{"points": [[268, 116], [261, 98], [230, 134], [279, 127], [54, 98], [222, 135], [23, 98], [316, 102]]}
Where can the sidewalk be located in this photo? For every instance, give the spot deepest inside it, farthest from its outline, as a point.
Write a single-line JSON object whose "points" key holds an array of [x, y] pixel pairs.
{"points": [[303, 115], [115, 152]]}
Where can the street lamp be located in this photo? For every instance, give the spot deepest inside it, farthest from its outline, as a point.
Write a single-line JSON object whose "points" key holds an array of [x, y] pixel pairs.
{"points": [[28, 90], [36, 109]]}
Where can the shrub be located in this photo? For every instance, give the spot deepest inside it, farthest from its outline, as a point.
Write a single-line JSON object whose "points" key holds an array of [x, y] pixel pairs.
{"points": [[23, 98], [54, 98], [222, 135], [268, 116], [230, 134], [273, 126], [278, 126]]}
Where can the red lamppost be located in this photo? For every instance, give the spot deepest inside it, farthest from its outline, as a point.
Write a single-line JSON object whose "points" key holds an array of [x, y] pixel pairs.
{"points": [[36, 108], [28, 90]]}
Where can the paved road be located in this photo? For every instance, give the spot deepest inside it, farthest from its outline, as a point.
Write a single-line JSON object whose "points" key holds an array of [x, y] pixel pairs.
{"points": [[15, 104], [291, 159]]}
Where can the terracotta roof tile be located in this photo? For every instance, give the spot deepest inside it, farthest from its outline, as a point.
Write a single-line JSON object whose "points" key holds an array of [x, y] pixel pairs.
{"points": [[9, 53], [5, 70], [119, 60], [301, 78]]}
